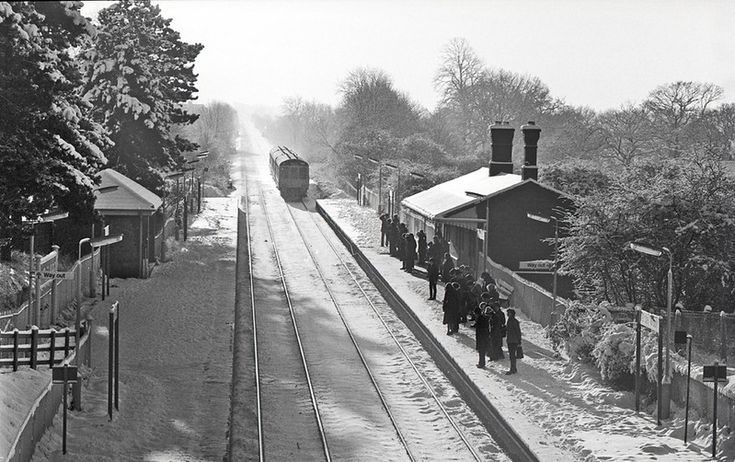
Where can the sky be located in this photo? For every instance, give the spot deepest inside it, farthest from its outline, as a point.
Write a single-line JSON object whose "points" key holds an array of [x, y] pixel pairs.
{"points": [[595, 53]]}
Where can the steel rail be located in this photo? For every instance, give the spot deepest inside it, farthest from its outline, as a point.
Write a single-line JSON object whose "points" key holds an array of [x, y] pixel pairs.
{"points": [[419, 374], [354, 340], [315, 405], [261, 452]]}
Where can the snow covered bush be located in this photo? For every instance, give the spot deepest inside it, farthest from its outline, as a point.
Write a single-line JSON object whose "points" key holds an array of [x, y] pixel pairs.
{"points": [[615, 352], [579, 330]]}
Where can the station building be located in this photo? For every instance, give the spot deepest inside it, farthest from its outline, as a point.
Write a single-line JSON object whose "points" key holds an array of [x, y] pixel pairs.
{"points": [[484, 214], [128, 211]]}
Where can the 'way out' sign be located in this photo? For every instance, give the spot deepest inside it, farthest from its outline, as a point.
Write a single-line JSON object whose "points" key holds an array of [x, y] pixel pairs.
{"points": [[54, 274], [536, 265]]}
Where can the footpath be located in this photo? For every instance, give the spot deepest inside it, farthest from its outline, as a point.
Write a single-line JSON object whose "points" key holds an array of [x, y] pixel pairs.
{"points": [[560, 408], [175, 357]]}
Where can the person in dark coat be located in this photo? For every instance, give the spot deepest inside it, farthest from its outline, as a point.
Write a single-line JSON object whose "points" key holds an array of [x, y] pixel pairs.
{"points": [[447, 266], [430, 254], [513, 339], [433, 273], [402, 250], [482, 335], [486, 279], [449, 305], [384, 225], [395, 236], [410, 252], [497, 331], [421, 236]]}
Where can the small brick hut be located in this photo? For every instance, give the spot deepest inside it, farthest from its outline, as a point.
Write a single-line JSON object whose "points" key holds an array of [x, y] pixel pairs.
{"points": [[127, 210]]}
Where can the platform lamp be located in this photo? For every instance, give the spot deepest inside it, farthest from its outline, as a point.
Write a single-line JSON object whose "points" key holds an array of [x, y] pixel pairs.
{"points": [[48, 217], [549, 219], [666, 384], [173, 176], [92, 278], [200, 156], [379, 163], [359, 180], [185, 218]]}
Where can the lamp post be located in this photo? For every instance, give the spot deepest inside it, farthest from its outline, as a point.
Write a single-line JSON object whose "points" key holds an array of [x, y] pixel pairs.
{"points": [[379, 162], [399, 169], [359, 181], [543, 219], [666, 385], [185, 218], [46, 218], [200, 156]]}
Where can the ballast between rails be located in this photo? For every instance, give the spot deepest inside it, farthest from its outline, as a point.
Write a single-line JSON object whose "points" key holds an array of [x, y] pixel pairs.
{"points": [[354, 342], [315, 405]]}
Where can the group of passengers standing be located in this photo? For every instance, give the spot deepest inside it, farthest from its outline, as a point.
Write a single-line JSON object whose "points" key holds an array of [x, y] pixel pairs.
{"points": [[465, 299], [407, 247]]}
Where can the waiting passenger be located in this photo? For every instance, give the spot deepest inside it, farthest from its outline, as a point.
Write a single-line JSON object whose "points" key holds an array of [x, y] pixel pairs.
{"points": [[449, 305], [513, 340], [433, 273], [421, 236], [482, 332], [410, 252], [497, 332], [447, 266], [384, 223]]}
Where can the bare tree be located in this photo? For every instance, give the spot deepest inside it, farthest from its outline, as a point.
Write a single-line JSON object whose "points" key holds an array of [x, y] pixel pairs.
{"points": [[625, 133], [675, 107], [459, 72]]}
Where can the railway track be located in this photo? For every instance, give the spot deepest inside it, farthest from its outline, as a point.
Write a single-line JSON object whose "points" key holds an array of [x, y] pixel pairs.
{"points": [[419, 375], [352, 395]]}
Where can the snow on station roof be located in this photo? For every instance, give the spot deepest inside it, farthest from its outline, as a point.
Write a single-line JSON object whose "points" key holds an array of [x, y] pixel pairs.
{"points": [[128, 199], [451, 195]]}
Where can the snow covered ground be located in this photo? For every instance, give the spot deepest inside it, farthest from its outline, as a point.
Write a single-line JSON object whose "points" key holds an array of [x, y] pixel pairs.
{"points": [[175, 358], [560, 407]]}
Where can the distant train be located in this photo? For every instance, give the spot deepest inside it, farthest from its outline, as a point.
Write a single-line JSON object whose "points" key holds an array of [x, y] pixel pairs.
{"points": [[290, 172]]}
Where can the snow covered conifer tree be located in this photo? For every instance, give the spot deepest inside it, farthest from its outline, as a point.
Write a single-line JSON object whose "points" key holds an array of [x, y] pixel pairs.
{"points": [[50, 150], [140, 74]]}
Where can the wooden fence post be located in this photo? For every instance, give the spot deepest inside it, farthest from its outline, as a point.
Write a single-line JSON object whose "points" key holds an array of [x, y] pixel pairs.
{"points": [[723, 342], [37, 298], [54, 298], [15, 349], [34, 346], [67, 336], [52, 353]]}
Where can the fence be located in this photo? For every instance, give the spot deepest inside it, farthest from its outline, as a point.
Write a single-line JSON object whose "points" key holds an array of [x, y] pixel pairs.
{"points": [[533, 300], [158, 250], [41, 415], [27, 345], [66, 292]]}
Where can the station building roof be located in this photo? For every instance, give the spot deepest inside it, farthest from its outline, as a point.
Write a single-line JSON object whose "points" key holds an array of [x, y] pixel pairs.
{"points": [[128, 199], [442, 199]]}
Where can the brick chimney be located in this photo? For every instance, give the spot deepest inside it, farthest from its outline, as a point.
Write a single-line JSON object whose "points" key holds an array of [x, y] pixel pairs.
{"points": [[501, 148], [531, 134]]}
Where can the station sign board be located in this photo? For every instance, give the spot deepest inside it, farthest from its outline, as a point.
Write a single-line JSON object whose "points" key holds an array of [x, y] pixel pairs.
{"points": [[536, 265], [708, 374], [650, 320], [54, 274], [57, 374]]}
